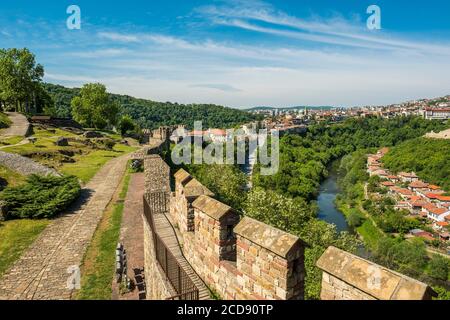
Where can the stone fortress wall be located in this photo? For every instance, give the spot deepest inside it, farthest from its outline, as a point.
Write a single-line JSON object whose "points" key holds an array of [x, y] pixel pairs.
{"points": [[237, 258], [241, 258]]}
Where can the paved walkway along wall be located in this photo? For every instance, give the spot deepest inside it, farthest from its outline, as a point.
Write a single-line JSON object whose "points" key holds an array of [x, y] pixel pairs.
{"points": [[132, 237], [42, 270], [19, 127], [24, 165]]}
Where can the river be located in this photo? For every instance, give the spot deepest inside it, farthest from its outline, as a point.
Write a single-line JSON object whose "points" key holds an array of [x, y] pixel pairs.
{"points": [[327, 208]]}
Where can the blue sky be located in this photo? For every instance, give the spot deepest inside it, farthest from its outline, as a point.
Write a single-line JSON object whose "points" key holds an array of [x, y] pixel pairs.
{"points": [[241, 53]]}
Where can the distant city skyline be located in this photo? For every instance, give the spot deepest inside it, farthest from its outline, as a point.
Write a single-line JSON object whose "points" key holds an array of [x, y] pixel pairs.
{"points": [[241, 54]]}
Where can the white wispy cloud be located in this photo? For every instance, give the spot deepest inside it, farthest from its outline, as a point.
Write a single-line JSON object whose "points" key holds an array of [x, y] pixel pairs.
{"points": [[118, 37], [335, 31], [301, 61]]}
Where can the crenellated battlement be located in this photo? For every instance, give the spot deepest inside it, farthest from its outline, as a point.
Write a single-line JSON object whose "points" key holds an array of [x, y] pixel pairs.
{"points": [[212, 245], [238, 258]]}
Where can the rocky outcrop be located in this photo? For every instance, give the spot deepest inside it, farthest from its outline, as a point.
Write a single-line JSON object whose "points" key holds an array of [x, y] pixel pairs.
{"points": [[62, 142], [92, 134]]}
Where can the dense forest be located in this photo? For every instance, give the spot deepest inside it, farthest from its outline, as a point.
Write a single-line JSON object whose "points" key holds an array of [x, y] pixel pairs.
{"points": [[152, 114], [429, 158]]}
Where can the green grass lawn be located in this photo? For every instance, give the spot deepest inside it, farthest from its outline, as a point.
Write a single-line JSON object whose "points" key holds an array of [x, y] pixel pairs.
{"points": [[86, 166], [99, 261], [12, 178], [15, 237], [370, 234], [11, 140], [87, 160]]}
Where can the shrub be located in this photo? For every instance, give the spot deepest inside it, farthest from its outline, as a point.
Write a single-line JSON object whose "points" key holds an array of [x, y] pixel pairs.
{"points": [[354, 218], [438, 268], [40, 197], [5, 122], [126, 124]]}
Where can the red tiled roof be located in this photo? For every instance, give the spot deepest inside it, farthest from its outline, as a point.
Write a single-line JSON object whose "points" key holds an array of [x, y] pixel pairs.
{"points": [[431, 195], [218, 132], [408, 174], [393, 177], [442, 223], [443, 198], [433, 187], [438, 109], [419, 203], [418, 184], [388, 183], [197, 133], [405, 192]]}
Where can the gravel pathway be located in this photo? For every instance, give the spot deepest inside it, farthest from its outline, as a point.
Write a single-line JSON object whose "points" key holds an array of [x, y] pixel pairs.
{"points": [[19, 127]]}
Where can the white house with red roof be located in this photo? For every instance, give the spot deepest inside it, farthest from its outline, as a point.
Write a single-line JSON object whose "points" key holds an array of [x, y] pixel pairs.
{"points": [[435, 213]]}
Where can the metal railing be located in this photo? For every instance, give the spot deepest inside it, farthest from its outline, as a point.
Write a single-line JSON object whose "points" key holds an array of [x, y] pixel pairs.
{"points": [[176, 275]]}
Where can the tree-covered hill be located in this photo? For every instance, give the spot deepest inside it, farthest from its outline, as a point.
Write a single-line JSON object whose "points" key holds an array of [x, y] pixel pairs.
{"points": [[429, 158], [152, 114]]}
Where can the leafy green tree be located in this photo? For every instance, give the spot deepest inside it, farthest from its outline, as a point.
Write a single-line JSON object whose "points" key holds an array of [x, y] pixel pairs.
{"points": [[439, 267], [277, 210], [20, 79], [227, 182], [126, 124], [94, 108]]}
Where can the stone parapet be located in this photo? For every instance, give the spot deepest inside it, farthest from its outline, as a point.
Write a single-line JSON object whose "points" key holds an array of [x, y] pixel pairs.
{"points": [[349, 277], [238, 260]]}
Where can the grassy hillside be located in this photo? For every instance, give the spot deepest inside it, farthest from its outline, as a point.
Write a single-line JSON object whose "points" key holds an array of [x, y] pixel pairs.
{"points": [[152, 114], [429, 158]]}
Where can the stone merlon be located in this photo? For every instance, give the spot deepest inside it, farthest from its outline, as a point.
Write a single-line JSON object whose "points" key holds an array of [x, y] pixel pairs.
{"points": [[369, 278], [279, 242], [182, 175], [192, 188], [213, 208]]}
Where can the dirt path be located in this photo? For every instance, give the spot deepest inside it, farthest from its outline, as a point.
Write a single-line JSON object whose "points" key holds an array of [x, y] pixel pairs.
{"points": [[44, 269], [132, 238], [19, 127]]}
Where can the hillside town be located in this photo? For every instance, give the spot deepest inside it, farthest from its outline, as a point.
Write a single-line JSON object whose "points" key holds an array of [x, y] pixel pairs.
{"points": [[419, 198], [431, 109]]}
